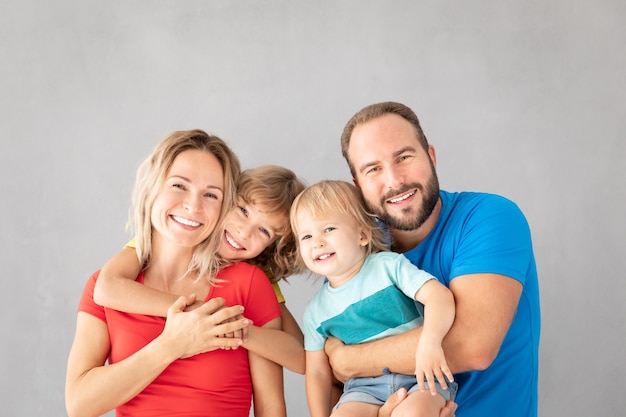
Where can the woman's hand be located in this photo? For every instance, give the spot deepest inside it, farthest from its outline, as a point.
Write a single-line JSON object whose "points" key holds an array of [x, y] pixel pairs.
{"points": [[192, 332]]}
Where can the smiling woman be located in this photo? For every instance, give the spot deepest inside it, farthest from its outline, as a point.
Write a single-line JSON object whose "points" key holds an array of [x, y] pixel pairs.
{"points": [[133, 362]]}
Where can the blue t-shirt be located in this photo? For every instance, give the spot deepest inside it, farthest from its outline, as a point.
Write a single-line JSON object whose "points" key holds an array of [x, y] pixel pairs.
{"points": [[378, 301], [484, 233]]}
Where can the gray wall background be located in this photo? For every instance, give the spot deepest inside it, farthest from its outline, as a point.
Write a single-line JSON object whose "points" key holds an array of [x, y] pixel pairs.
{"points": [[525, 99]]}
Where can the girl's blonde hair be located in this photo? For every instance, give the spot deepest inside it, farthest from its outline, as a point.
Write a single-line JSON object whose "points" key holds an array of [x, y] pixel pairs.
{"points": [[273, 188], [151, 176], [327, 197]]}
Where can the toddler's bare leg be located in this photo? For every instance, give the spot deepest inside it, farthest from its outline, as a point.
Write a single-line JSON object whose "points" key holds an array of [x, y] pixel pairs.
{"points": [[354, 408]]}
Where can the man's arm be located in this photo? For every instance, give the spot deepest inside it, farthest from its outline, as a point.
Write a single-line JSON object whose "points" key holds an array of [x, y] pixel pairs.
{"points": [[485, 307]]}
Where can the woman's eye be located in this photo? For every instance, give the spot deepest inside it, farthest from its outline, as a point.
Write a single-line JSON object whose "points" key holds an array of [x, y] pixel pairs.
{"points": [[211, 196], [179, 186]]}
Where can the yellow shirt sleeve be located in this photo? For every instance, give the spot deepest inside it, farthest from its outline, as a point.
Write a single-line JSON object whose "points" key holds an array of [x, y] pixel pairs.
{"points": [[279, 293]]}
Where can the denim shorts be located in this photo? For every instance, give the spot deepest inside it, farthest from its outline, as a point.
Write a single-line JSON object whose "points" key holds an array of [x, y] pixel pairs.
{"points": [[376, 390]]}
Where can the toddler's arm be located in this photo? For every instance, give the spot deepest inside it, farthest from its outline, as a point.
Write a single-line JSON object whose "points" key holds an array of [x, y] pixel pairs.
{"points": [[439, 311], [318, 379], [116, 287]]}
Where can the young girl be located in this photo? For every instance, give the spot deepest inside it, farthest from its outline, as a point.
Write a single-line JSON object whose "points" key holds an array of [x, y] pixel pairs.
{"points": [[134, 363], [256, 229], [369, 293]]}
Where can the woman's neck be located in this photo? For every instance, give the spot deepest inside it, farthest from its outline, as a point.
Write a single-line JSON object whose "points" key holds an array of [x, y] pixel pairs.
{"points": [[168, 262]]}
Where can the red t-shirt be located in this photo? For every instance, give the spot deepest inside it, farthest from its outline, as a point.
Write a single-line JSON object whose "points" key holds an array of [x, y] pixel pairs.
{"points": [[215, 383]]}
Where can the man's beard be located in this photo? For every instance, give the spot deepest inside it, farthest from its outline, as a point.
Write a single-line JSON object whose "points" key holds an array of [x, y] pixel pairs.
{"points": [[430, 196]]}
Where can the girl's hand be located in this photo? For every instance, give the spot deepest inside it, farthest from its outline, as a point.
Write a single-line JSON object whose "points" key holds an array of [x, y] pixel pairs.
{"points": [[430, 363], [241, 334]]}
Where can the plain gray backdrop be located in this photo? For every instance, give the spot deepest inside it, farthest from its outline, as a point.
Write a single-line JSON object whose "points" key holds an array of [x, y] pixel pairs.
{"points": [[521, 98]]}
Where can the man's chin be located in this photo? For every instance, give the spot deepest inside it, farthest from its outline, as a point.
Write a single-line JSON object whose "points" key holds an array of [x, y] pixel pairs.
{"points": [[404, 222]]}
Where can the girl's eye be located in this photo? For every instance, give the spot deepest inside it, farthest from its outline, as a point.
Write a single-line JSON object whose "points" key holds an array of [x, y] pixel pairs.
{"points": [[244, 211], [265, 232]]}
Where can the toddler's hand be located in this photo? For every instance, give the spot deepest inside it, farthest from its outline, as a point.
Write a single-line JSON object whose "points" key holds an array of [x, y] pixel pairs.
{"points": [[430, 363]]}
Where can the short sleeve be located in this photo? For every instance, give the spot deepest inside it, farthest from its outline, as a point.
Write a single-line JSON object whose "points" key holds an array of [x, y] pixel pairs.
{"points": [[87, 304], [279, 294]]}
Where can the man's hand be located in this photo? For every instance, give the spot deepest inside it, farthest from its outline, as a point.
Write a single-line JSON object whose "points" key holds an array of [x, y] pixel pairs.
{"points": [[392, 402], [332, 347]]}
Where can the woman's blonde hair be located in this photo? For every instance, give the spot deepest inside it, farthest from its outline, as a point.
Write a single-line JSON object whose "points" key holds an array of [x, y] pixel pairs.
{"points": [[273, 188], [151, 176], [333, 196]]}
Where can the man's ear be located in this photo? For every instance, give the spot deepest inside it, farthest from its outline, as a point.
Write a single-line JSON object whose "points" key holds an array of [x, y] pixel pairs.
{"points": [[355, 182], [432, 154]]}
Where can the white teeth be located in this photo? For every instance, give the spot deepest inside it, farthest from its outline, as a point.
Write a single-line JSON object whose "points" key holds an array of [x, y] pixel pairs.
{"points": [[397, 200], [232, 242], [322, 257], [186, 221]]}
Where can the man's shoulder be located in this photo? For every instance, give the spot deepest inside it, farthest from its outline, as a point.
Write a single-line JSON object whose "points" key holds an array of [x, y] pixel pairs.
{"points": [[468, 200]]}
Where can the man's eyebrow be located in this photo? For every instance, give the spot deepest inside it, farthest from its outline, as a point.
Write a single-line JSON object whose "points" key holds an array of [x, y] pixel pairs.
{"points": [[403, 150], [395, 155]]}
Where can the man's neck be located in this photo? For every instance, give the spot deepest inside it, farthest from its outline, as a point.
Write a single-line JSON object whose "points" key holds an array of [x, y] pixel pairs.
{"points": [[404, 241]]}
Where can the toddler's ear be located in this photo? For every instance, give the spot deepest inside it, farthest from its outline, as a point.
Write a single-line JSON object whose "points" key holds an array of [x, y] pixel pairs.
{"points": [[365, 238]]}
